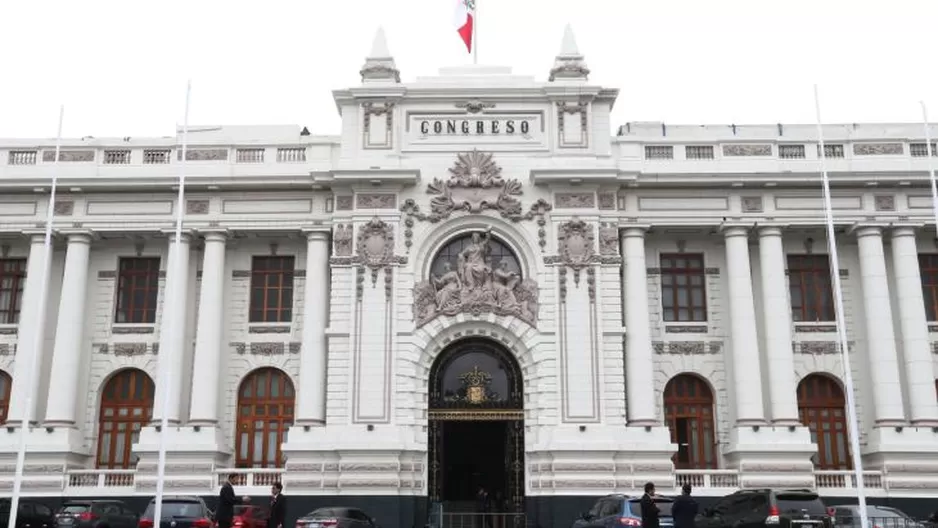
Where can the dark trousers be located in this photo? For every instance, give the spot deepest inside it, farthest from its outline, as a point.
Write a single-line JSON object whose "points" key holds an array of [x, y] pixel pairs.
{"points": [[224, 523]]}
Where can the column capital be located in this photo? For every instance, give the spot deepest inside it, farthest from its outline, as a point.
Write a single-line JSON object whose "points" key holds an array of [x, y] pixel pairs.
{"points": [[215, 235], [316, 235], [186, 238], [78, 236], [633, 231], [735, 229], [906, 229], [866, 229]]}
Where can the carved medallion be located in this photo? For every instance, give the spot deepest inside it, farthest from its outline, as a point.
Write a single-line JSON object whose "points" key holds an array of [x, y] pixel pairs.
{"points": [[576, 243], [376, 243]]}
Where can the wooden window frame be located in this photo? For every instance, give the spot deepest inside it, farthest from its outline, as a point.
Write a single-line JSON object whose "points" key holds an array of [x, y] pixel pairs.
{"points": [[267, 302], [928, 267], [137, 275], [278, 422], [671, 275], [6, 386], [12, 282], [131, 423], [810, 275], [700, 408], [817, 412]]}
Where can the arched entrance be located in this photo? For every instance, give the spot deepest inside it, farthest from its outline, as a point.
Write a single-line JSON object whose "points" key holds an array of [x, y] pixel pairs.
{"points": [[476, 427], [126, 407], [822, 406], [688, 413]]}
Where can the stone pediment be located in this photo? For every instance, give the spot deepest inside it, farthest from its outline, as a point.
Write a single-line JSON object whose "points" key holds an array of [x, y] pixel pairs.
{"points": [[475, 184]]}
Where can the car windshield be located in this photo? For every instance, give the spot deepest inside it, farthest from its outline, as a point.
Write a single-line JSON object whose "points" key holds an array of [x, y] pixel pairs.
{"points": [[242, 510], [76, 508], [810, 503], [878, 511], [664, 507], [176, 509]]}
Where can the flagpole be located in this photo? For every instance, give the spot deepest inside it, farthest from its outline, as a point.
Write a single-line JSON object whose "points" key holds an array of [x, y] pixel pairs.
{"points": [[475, 28], [930, 153], [32, 372], [841, 320], [178, 274]]}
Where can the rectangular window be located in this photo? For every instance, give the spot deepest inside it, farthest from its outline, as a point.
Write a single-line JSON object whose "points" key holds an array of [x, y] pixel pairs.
{"points": [[138, 287], [272, 289], [683, 292], [12, 281], [698, 152], [659, 152], [928, 264], [809, 281]]}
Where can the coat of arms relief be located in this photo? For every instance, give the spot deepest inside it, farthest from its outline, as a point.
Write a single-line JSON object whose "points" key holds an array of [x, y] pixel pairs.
{"points": [[472, 281]]}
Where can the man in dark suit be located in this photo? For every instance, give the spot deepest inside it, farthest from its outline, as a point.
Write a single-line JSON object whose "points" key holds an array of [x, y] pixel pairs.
{"points": [[224, 513], [650, 510], [684, 509], [278, 507]]}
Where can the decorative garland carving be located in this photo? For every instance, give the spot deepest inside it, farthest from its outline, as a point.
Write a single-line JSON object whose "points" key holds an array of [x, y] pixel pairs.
{"points": [[342, 239], [475, 184]]}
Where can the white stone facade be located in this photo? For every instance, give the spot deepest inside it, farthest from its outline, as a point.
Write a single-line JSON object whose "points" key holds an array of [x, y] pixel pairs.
{"points": [[596, 215]]}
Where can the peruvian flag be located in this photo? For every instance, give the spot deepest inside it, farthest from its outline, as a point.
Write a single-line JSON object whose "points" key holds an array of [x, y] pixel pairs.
{"points": [[465, 11]]}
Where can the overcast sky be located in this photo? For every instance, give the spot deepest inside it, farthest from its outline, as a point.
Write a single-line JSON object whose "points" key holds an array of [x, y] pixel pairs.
{"points": [[120, 67]]}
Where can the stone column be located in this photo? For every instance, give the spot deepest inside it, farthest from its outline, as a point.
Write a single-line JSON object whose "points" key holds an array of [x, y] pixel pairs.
{"points": [[747, 373], [67, 355], [311, 407], [173, 332], [639, 369], [776, 311], [880, 335], [204, 403], [30, 325], [916, 349]]}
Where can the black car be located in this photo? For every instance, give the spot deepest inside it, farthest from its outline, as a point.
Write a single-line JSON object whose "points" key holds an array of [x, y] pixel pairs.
{"points": [[96, 514], [337, 517], [29, 514], [179, 512], [623, 510], [759, 508]]}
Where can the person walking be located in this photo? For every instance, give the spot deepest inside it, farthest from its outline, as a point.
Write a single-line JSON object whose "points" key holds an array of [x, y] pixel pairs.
{"points": [[684, 509], [278, 507], [224, 513], [650, 510]]}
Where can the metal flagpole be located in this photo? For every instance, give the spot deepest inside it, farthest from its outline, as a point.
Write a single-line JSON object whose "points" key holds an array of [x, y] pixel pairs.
{"points": [[841, 321], [475, 28], [178, 275], [930, 153], [32, 372]]}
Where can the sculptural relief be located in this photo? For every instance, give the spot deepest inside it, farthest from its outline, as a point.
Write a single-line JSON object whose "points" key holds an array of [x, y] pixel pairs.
{"points": [[475, 285]]}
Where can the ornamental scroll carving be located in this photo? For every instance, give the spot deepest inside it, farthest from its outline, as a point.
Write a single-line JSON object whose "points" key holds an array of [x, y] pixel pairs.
{"points": [[375, 247], [476, 285], [475, 184]]}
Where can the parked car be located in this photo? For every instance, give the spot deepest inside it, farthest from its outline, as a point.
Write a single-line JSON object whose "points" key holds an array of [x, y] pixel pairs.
{"points": [[336, 517], [96, 514], [29, 514], [623, 510], [878, 517], [179, 512], [249, 516], [758, 508]]}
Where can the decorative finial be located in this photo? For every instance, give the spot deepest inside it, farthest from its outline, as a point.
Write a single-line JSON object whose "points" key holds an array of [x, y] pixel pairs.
{"points": [[569, 63], [379, 65]]}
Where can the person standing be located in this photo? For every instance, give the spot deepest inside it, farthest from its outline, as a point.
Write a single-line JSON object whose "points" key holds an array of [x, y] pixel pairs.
{"points": [[650, 510], [224, 513], [684, 509], [278, 507]]}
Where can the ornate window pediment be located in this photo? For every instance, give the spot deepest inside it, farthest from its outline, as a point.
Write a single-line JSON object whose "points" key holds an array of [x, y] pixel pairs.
{"points": [[475, 273]]}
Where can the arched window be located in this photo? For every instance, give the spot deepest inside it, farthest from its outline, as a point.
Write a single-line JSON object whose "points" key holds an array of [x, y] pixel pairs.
{"points": [[265, 411], [821, 406], [688, 413], [6, 383], [126, 407]]}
